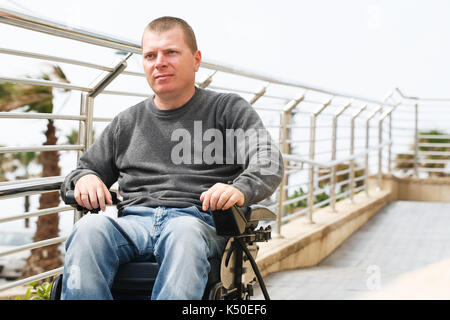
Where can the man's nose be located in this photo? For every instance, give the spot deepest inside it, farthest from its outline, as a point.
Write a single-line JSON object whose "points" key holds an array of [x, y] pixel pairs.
{"points": [[161, 61]]}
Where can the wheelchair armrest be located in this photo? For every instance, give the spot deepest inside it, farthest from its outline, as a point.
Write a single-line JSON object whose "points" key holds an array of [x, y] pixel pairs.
{"points": [[236, 220], [260, 213]]}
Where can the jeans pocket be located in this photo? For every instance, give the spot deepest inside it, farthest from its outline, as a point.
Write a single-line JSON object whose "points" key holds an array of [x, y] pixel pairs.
{"points": [[206, 217]]}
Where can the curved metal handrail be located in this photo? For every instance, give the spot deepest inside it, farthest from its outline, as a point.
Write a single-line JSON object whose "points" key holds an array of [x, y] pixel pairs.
{"points": [[53, 27]]}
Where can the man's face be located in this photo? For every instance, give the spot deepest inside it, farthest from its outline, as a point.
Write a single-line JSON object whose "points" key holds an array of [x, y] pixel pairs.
{"points": [[169, 64]]}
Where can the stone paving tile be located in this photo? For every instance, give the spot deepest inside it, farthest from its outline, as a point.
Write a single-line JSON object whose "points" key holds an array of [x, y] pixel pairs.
{"points": [[403, 236]]}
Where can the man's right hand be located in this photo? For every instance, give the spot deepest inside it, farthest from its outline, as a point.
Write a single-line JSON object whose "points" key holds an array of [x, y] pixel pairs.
{"points": [[90, 192]]}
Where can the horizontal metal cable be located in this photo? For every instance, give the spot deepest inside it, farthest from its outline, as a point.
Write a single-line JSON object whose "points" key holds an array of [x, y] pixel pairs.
{"points": [[46, 57], [98, 119], [38, 213], [126, 93], [31, 279], [434, 145], [33, 245], [431, 136], [28, 115], [332, 163], [54, 58], [45, 83], [55, 147], [432, 169], [30, 182], [18, 188]]}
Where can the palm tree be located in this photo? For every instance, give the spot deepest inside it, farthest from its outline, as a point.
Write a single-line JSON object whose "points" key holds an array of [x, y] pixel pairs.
{"points": [[21, 162], [40, 99]]}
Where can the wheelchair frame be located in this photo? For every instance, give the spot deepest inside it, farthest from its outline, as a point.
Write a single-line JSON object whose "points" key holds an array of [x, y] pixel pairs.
{"points": [[229, 278]]}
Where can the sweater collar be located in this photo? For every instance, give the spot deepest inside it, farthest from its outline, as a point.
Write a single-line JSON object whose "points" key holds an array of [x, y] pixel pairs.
{"points": [[173, 112]]}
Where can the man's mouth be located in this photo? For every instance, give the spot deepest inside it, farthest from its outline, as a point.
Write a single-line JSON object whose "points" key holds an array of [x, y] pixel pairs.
{"points": [[163, 76]]}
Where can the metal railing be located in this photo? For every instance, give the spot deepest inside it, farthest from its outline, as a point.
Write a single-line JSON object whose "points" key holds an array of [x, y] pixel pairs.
{"points": [[321, 165]]}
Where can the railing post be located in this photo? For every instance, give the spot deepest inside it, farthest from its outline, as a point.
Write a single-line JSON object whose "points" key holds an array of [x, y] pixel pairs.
{"points": [[85, 134], [390, 138], [281, 199], [82, 126], [352, 150], [205, 83], [281, 191], [258, 94], [333, 153], [416, 139], [312, 137], [312, 143], [380, 149], [87, 109], [286, 118], [366, 171], [390, 145], [89, 122]]}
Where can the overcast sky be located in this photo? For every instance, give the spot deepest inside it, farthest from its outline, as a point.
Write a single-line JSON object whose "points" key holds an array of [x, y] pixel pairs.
{"points": [[364, 47]]}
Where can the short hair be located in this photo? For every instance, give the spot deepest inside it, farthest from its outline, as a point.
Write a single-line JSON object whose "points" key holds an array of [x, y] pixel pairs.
{"points": [[167, 23]]}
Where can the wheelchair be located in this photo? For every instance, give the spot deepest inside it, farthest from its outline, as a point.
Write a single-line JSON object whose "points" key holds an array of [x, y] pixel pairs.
{"points": [[232, 276]]}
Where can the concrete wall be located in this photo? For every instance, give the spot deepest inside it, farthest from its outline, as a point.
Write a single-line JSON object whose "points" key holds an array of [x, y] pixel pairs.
{"points": [[415, 189]]}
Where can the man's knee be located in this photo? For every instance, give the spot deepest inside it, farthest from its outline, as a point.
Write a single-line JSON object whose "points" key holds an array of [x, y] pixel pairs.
{"points": [[91, 229]]}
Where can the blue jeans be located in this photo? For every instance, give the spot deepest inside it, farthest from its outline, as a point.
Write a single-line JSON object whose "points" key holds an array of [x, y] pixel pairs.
{"points": [[181, 239]]}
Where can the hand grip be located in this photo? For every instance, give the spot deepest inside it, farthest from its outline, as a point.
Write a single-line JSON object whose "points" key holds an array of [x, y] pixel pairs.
{"points": [[70, 200]]}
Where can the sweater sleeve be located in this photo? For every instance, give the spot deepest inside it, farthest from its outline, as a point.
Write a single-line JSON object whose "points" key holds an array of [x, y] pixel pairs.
{"points": [[99, 159], [259, 156]]}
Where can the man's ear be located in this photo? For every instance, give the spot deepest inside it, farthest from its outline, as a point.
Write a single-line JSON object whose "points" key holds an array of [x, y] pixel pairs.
{"points": [[198, 60]]}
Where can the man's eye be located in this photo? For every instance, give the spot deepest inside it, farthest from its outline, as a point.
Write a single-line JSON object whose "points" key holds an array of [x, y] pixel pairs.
{"points": [[150, 56]]}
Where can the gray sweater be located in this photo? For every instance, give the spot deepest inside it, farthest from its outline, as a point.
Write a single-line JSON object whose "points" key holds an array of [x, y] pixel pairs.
{"points": [[169, 157]]}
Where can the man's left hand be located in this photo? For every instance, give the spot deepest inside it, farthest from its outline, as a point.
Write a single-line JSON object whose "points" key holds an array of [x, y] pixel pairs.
{"points": [[221, 196]]}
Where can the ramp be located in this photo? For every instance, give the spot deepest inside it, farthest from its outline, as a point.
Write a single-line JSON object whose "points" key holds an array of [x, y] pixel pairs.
{"points": [[405, 236]]}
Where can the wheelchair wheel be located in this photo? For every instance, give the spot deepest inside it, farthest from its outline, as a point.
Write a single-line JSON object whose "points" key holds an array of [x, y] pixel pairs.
{"points": [[217, 292], [55, 293]]}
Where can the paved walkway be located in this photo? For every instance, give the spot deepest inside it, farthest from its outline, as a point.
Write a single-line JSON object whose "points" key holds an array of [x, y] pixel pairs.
{"points": [[405, 243]]}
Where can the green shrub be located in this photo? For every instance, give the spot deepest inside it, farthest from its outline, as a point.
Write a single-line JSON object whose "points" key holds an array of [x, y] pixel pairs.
{"points": [[40, 291]]}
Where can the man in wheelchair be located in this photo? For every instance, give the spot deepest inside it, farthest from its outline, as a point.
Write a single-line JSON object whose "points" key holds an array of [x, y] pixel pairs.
{"points": [[178, 156]]}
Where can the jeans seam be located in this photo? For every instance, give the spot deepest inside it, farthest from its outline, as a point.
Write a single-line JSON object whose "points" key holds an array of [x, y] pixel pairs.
{"points": [[157, 257], [116, 267]]}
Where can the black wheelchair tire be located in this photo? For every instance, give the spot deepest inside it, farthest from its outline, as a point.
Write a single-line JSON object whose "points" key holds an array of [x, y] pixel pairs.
{"points": [[55, 293], [217, 292]]}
